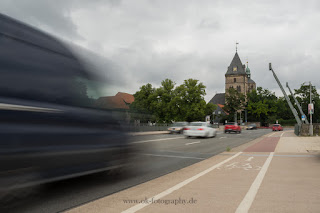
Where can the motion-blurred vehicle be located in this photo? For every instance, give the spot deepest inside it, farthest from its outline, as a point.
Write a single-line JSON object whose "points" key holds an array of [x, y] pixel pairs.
{"points": [[252, 126], [49, 127], [277, 127], [200, 129], [232, 127], [177, 127]]}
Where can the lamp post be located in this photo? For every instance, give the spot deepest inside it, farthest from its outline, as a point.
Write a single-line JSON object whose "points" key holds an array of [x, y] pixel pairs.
{"points": [[310, 111], [310, 127]]}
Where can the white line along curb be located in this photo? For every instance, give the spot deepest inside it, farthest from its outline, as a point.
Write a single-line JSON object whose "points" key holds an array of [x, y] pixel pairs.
{"points": [[251, 194], [161, 139], [178, 186]]}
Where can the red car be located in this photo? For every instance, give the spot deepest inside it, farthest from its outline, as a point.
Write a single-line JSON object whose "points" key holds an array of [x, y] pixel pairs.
{"points": [[232, 127], [277, 127]]}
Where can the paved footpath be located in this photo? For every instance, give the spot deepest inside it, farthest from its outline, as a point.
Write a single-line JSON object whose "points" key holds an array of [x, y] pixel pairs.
{"points": [[278, 172]]}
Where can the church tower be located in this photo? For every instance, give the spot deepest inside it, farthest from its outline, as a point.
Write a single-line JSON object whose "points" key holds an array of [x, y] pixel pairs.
{"points": [[238, 76]]}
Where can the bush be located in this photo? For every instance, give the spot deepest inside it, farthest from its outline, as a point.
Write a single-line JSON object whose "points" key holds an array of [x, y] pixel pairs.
{"points": [[290, 122]]}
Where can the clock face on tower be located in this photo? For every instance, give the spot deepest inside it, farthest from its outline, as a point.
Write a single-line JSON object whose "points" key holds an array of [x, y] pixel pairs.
{"points": [[234, 69]]}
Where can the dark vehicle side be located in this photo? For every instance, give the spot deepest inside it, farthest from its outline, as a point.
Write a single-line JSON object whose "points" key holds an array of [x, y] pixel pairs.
{"points": [[232, 127], [49, 128]]}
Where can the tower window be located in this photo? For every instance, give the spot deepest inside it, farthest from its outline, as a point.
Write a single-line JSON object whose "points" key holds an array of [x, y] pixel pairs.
{"points": [[234, 80], [239, 88]]}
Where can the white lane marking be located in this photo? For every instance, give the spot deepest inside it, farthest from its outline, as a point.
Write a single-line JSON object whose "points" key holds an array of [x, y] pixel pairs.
{"points": [[173, 156], [272, 134], [222, 137], [162, 139], [282, 134], [192, 143], [178, 186], [249, 159], [251, 194]]}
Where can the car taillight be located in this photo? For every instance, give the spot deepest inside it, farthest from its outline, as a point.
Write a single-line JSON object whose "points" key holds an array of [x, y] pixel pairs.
{"points": [[186, 128], [200, 129]]}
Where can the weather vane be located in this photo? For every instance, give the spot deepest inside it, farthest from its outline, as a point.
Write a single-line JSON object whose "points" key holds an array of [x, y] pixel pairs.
{"points": [[237, 46]]}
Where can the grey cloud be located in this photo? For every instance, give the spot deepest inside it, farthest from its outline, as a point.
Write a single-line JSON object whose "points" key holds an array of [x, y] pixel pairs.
{"points": [[146, 41]]}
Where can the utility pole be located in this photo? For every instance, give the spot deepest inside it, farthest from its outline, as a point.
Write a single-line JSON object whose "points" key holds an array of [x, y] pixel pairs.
{"points": [[286, 97], [297, 103], [310, 126]]}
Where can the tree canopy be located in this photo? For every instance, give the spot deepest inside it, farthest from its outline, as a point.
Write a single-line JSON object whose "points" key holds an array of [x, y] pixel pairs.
{"points": [[264, 106], [169, 103], [235, 101]]}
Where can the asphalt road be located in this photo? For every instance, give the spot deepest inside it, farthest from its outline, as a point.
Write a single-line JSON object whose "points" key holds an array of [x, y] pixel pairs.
{"points": [[156, 155]]}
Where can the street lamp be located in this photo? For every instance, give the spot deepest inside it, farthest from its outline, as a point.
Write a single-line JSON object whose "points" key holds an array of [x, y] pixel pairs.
{"points": [[310, 108]]}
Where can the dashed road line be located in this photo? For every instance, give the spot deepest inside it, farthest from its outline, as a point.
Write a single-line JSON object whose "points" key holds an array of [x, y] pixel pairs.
{"points": [[178, 186], [251, 194], [161, 139], [192, 143], [282, 134]]}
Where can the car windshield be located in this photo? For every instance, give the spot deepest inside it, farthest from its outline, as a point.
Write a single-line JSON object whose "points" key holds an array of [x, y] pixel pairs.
{"points": [[230, 124], [276, 125]]}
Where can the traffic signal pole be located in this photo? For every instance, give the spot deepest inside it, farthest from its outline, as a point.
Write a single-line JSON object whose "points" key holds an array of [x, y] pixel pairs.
{"points": [[294, 111], [297, 103]]}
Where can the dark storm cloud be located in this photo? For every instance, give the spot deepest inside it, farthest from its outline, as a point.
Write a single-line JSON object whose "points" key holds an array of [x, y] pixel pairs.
{"points": [[146, 41]]}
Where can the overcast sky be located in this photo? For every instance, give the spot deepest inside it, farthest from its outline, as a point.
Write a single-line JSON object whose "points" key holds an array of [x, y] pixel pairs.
{"points": [[146, 41]]}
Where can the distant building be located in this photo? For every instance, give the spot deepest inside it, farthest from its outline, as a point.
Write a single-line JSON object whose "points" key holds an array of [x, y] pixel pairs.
{"points": [[219, 113], [119, 101], [238, 76]]}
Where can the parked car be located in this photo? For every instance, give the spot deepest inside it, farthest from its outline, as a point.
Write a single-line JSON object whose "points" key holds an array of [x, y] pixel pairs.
{"points": [[252, 126], [177, 127], [200, 129], [232, 127], [49, 128], [277, 127]]}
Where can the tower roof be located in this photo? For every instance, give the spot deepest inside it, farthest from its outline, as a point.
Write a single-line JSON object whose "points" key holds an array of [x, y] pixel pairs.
{"points": [[236, 66]]}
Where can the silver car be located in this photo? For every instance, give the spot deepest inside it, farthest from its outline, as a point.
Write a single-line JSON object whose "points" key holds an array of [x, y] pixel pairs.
{"points": [[177, 127], [200, 129]]}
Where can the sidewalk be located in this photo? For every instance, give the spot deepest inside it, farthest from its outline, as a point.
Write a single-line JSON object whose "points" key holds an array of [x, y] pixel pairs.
{"points": [[278, 172]]}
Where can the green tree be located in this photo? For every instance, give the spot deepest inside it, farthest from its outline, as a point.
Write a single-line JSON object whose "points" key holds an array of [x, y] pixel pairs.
{"points": [[262, 105], [144, 104], [190, 102], [303, 97], [167, 103], [165, 108], [235, 101]]}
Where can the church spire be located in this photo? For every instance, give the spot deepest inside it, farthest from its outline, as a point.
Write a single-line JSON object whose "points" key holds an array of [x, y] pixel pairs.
{"points": [[237, 46], [248, 70]]}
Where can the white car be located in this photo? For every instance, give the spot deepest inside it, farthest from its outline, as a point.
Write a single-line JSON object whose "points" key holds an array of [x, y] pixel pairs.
{"points": [[200, 129]]}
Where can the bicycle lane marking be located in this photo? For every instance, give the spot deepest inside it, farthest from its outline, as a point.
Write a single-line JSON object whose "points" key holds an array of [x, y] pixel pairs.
{"points": [[178, 186], [251, 194]]}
